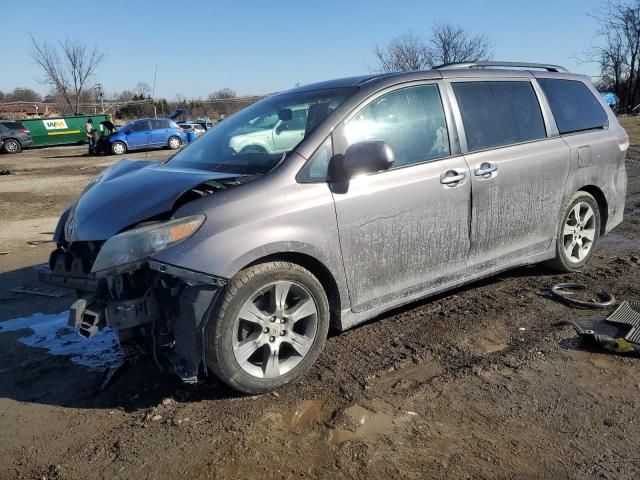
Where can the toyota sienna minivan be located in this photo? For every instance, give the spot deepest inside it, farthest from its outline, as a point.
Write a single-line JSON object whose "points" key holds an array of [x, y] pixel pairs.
{"points": [[394, 187]]}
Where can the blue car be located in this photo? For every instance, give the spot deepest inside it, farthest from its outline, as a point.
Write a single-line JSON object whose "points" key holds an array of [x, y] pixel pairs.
{"points": [[146, 133]]}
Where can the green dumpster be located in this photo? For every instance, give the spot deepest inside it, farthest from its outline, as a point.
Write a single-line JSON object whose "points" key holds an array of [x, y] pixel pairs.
{"points": [[62, 130]]}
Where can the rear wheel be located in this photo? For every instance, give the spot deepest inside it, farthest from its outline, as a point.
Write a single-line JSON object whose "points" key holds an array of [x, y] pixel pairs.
{"points": [[118, 148], [12, 146], [268, 328], [174, 143], [578, 233]]}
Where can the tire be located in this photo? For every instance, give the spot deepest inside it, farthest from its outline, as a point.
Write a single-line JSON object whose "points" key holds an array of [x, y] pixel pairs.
{"points": [[118, 148], [174, 143], [253, 342], [578, 233], [12, 146]]}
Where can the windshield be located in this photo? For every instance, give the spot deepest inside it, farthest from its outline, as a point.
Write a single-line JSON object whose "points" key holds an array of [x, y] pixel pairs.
{"points": [[254, 139]]}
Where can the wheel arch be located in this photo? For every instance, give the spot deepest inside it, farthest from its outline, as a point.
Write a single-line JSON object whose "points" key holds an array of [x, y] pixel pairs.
{"points": [[603, 205], [317, 268]]}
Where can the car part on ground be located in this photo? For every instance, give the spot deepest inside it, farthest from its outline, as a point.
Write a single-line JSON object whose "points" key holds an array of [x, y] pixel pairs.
{"points": [[345, 197], [619, 332], [564, 292]]}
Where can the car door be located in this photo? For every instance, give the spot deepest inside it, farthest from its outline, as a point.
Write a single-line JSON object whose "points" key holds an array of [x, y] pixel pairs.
{"points": [[138, 134], [287, 134], [161, 132], [404, 230], [518, 166]]}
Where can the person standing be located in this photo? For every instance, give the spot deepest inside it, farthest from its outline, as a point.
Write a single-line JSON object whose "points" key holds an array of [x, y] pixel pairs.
{"points": [[91, 135]]}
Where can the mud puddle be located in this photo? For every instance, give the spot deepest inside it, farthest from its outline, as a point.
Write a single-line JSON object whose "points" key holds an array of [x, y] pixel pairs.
{"points": [[52, 333]]}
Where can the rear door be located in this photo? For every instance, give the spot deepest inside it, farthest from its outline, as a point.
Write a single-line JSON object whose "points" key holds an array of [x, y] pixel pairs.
{"points": [[159, 132], [139, 134], [518, 170], [404, 230]]}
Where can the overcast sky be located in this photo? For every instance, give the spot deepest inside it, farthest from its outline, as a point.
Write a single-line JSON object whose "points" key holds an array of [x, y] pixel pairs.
{"points": [[266, 46]]}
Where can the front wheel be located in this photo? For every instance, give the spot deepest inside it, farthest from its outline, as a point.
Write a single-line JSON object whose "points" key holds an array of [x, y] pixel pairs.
{"points": [[12, 146], [174, 143], [578, 233], [118, 148], [268, 327]]}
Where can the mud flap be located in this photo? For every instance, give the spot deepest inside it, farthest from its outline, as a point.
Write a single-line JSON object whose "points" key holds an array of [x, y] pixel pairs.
{"points": [[188, 330]]}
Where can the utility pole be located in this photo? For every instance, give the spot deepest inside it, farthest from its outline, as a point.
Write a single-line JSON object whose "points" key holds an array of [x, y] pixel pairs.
{"points": [[100, 93], [155, 75]]}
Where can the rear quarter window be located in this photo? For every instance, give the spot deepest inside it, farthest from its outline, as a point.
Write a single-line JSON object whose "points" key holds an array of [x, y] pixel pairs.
{"points": [[497, 114], [14, 125], [573, 105]]}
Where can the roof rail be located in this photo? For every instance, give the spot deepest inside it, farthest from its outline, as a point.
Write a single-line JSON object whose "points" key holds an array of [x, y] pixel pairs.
{"points": [[463, 65]]}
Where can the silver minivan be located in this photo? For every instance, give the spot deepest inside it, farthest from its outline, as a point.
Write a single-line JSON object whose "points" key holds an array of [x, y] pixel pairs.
{"points": [[376, 191]]}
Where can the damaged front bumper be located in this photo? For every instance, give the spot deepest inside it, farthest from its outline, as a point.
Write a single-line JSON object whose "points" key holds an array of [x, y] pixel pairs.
{"points": [[162, 304]]}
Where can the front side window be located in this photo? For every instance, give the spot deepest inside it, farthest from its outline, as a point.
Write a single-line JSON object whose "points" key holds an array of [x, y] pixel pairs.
{"points": [[496, 114], [573, 105], [410, 120], [255, 139]]}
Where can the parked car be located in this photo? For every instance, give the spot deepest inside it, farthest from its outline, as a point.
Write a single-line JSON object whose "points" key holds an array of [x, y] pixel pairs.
{"points": [[205, 124], [196, 127], [146, 133], [400, 186], [14, 137], [271, 134]]}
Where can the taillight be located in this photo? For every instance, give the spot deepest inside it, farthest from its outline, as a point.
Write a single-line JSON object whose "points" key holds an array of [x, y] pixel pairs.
{"points": [[25, 132], [180, 128], [623, 142]]}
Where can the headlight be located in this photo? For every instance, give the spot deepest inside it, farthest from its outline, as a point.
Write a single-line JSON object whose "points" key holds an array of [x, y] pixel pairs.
{"points": [[138, 243]]}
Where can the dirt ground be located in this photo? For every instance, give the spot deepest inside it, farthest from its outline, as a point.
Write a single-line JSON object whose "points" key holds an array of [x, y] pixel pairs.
{"points": [[481, 382]]}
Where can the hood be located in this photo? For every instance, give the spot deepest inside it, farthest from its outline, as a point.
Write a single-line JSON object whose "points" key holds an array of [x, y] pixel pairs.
{"points": [[128, 193]]}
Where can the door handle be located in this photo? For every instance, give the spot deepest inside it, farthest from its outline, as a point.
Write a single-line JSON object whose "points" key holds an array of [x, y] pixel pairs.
{"points": [[451, 177], [485, 169]]}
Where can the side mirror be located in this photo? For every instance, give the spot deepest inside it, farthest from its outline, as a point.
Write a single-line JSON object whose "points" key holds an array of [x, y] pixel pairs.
{"points": [[127, 132], [362, 158]]}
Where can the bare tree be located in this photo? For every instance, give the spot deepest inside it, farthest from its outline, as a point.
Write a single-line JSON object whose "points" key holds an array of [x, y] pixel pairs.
{"points": [[447, 44], [67, 66], [618, 50], [452, 43], [23, 94], [404, 53], [222, 94], [143, 90]]}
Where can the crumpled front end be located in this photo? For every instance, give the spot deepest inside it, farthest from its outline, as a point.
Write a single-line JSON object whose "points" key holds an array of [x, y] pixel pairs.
{"points": [[147, 302], [106, 243]]}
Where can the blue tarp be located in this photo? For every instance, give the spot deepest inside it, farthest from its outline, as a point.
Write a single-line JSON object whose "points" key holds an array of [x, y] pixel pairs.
{"points": [[610, 98]]}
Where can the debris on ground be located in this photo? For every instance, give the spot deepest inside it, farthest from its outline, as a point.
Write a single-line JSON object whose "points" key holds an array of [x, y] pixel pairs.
{"points": [[619, 332], [5, 172], [565, 291]]}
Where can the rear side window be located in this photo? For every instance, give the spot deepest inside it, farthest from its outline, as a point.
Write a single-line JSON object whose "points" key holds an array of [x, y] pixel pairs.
{"points": [[573, 105], [499, 113], [14, 125], [411, 120]]}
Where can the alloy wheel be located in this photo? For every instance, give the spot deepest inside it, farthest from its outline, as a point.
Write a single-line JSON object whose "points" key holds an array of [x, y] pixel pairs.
{"points": [[579, 232], [275, 329], [10, 146]]}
